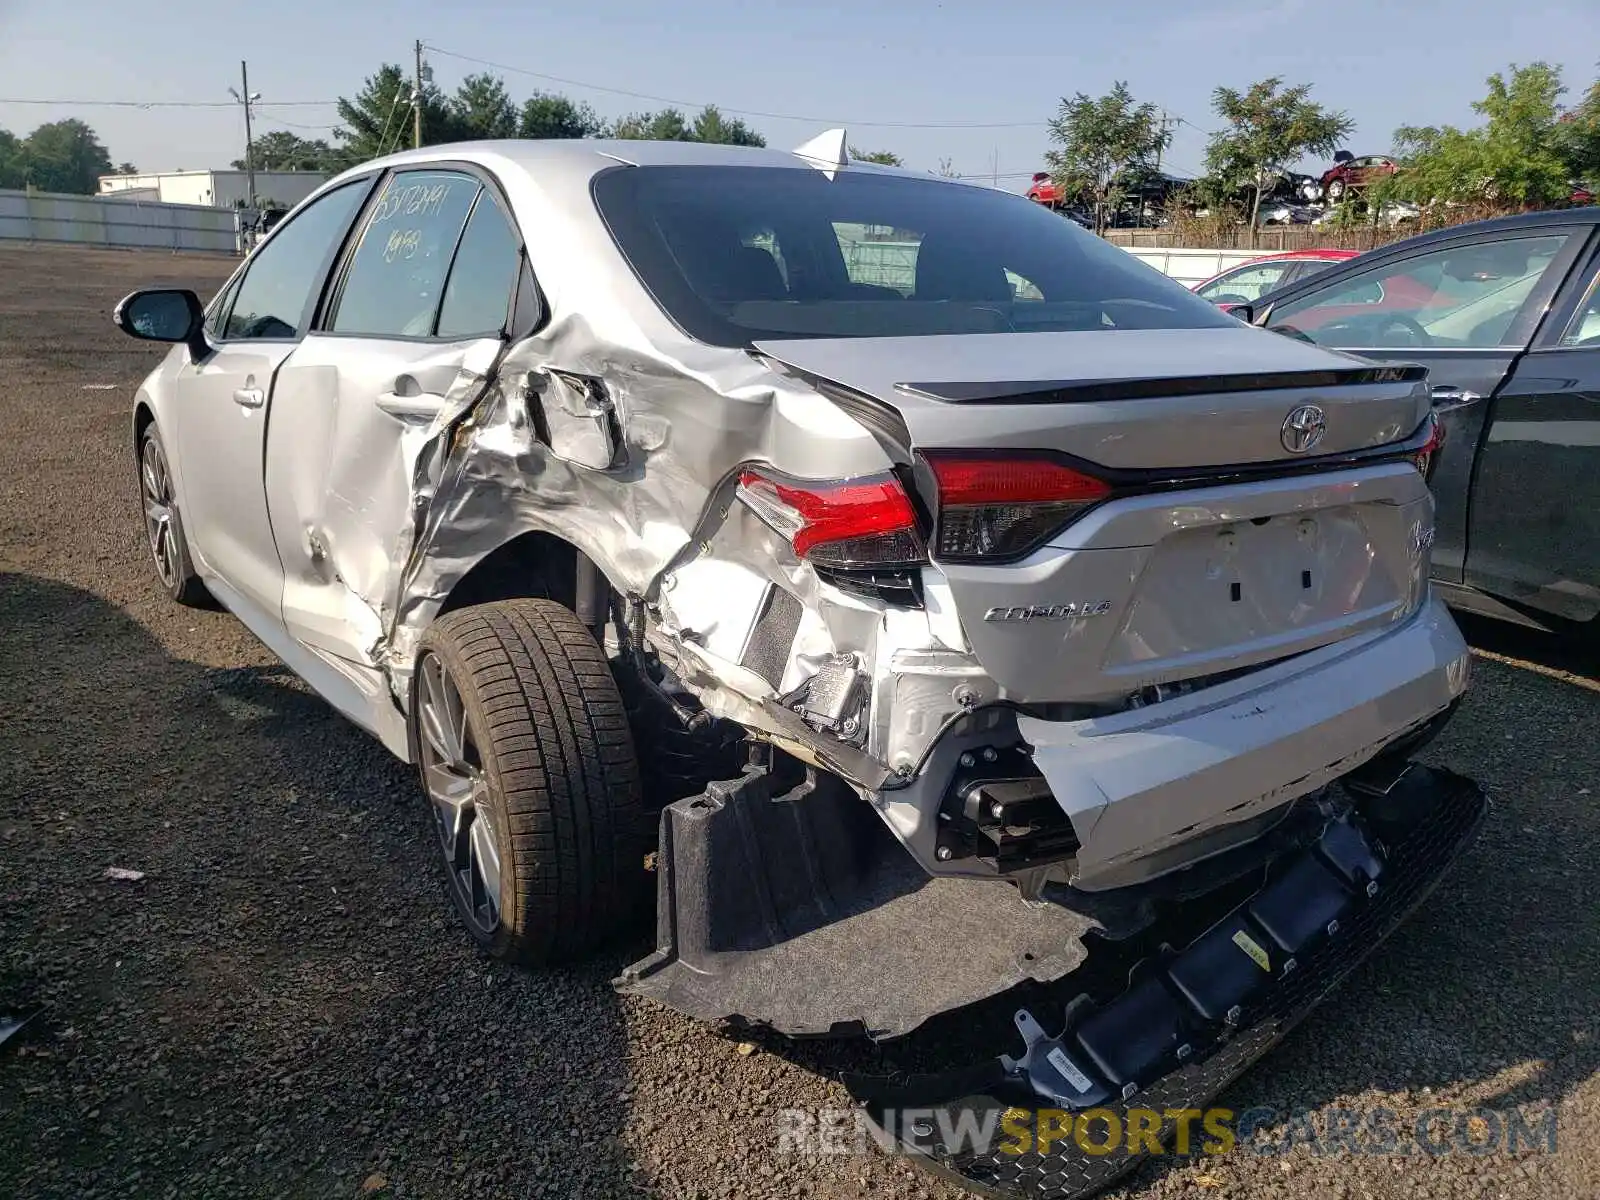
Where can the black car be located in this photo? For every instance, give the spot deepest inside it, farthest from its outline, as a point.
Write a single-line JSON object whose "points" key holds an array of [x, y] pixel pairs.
{"points": [[1505, 314]]}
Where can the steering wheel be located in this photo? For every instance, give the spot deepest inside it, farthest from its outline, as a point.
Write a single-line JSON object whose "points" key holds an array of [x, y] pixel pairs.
{"points": [[1416, 335]]}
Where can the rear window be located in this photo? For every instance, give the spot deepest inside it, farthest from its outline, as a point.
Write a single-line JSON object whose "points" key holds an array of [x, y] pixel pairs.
{"points": [[740, 254]]}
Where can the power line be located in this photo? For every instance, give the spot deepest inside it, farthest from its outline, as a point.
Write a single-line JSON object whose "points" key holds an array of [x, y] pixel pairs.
{"points": [[740, 112], [175, 103]]}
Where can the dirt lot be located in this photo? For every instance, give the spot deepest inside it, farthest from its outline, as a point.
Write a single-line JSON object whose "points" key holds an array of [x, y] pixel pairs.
{"points": [[285, 1007]]}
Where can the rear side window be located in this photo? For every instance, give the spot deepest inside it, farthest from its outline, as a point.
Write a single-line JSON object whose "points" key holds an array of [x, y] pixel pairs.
{"points": [[739, 254], [281, 276], [395, 280], [478, 295]]}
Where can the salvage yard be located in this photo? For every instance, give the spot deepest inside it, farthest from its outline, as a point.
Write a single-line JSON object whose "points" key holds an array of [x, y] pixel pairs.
{"points": [[283, 1005]]}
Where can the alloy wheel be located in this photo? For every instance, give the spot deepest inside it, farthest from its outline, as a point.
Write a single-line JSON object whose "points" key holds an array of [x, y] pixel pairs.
{"points": [[156, 488], [458, 789]]}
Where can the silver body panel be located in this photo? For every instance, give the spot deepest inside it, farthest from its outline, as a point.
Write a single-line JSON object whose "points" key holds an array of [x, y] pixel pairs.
{"points": [[336, 525]]}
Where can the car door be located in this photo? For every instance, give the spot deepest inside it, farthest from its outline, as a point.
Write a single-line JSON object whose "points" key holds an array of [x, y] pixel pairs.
{"points": [[220, 402], [1465, 307], [1535, 511], [417, 314]]}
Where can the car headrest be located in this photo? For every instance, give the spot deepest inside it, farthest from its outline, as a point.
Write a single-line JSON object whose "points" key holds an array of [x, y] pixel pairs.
{"points": [[954, 269], [1495, 260]]}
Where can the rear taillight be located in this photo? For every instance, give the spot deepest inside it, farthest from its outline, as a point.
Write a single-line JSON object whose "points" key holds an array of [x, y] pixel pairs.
{"points": [[1425, 458], [848, 524], [995, 507]]}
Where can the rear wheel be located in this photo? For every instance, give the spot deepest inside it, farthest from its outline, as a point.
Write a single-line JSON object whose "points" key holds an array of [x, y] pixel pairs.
{"points": [[525, 753], [169, 552]]}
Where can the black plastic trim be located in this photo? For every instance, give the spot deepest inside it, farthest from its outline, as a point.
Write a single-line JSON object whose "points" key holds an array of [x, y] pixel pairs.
{"points": [[1066, 391]]}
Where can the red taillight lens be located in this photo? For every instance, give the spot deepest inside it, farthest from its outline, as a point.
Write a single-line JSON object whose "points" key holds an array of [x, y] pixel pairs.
{"points": [[996, 508], [1425, 458], [848, 524]]}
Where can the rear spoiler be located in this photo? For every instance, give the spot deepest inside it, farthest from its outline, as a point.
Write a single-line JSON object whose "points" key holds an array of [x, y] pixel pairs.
{"points": [[1066, 391]]}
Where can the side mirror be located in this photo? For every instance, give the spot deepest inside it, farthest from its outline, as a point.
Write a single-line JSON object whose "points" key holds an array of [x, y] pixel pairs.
{"points": [[164, 315], [1244, 312]]}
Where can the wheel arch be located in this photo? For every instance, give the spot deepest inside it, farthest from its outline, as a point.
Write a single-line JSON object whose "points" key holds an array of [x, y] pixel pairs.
{"points": [[532, 565], [144, 416]]}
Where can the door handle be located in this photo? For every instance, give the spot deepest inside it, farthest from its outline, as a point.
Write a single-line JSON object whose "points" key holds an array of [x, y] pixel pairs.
{"points": [[1447, 398], [424, 406], [249, 397]]}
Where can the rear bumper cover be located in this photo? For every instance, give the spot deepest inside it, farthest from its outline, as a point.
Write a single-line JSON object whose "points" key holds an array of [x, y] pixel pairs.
{"points": [[1145, 787], [1185, 1023]]}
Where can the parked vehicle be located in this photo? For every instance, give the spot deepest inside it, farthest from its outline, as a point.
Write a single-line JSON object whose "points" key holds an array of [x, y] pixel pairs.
{"points": [[1249, 281], [1351, 174], [1505, 314], [603, 483]]}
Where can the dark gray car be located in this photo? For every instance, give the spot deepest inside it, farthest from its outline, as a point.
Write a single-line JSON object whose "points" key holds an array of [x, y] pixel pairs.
{"points": [[1505, 314]]}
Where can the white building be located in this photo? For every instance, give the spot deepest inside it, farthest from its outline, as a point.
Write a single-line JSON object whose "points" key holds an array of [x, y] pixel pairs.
{"points": [[218, 189]]}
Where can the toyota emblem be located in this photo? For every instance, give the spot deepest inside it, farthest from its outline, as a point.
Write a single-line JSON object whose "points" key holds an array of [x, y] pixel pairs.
{"points": [[1303, 428]]}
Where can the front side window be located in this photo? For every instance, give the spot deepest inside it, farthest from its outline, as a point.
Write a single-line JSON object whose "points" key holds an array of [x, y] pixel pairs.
{"points": [[282, 275], [1463, 296], [395, 280], [739, 254], [1245, 284]]}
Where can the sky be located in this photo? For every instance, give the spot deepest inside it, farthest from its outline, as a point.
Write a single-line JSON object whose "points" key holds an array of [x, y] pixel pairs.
{"points": [[877, 67]]}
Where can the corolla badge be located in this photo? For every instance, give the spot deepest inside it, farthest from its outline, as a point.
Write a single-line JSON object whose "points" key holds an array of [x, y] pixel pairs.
{"points": [[1303, 428], [1048, 612]]}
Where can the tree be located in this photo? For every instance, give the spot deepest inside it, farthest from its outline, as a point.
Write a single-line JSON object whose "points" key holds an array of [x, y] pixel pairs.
{"points": [[127, 168], [711, 126], [13, 169], [65, 156], [947, 170], [378, 119], [1105, 145], [887, 158], [281, 150], [1270, 127], [1518, 155], [483, 109], [545, 115], [670, 125], [1578, 135]]}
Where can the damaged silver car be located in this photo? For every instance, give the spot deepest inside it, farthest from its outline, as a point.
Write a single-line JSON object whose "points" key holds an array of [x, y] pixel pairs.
{"points": [[929, 597]]}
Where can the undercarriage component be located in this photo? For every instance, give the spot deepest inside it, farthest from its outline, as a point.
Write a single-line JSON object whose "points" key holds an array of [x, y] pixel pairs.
{"points": [[1185, 1023], [784, 902]]}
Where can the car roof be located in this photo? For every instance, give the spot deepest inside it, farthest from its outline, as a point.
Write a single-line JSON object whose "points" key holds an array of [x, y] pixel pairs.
{"points": [[1588, 214], [1328, 255], [580, 158]]}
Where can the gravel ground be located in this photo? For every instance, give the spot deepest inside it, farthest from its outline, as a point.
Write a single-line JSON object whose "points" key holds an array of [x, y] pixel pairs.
{"points": [[285, 1007]]}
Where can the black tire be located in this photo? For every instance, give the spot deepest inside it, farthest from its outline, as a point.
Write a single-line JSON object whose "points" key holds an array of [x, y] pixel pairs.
{"points": [[1336, 191], [164, 536], [556, 776]]}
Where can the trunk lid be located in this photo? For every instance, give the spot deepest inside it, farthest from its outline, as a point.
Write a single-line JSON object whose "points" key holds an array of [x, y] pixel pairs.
{"points": [[1188, 569], [1125, 399]]}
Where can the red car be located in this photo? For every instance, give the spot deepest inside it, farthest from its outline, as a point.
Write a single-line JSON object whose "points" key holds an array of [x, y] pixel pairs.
{"points": [[1043, 190], [1351, 174], [1248, 281]]}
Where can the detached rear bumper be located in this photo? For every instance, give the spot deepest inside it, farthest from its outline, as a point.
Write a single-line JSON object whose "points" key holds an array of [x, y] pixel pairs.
{"points": [[1185, 1023]]}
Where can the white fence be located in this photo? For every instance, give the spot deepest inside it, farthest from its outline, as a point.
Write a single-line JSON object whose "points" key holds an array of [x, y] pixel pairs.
{"points": [[1190, 267], [109, 221]]}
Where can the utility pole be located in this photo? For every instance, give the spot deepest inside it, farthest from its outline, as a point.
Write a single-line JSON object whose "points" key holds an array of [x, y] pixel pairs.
{"points": [[1167, 122], [246, 98], [416, 101]]}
